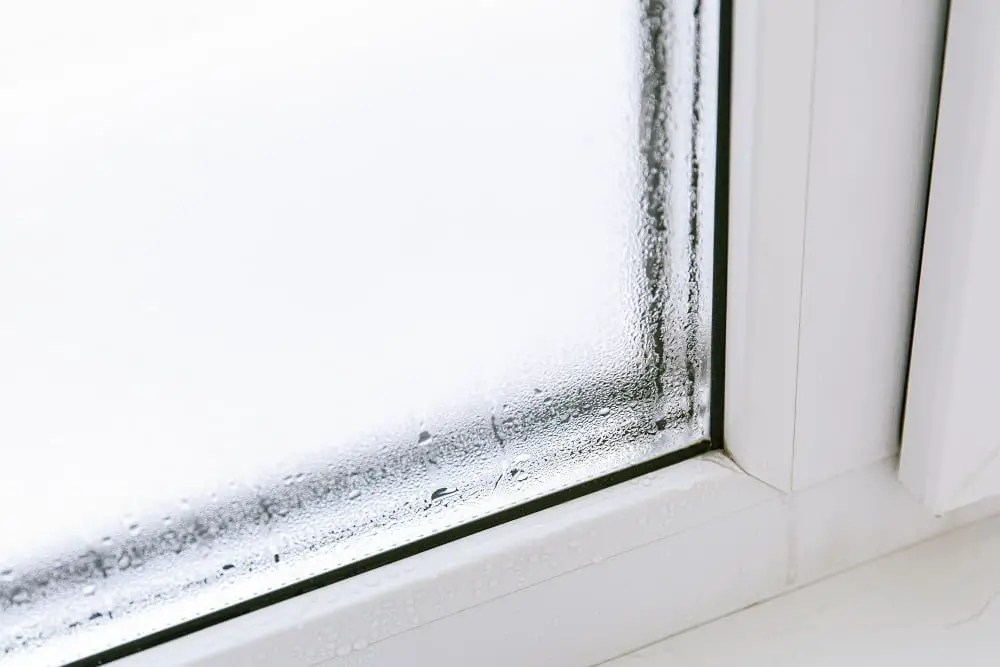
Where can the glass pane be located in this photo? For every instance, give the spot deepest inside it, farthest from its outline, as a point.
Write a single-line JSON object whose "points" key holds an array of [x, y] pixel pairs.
{"points": [[287, 284]]}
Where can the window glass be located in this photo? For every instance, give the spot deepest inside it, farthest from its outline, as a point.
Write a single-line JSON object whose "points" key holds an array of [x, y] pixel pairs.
{"points": [[284, 285]]}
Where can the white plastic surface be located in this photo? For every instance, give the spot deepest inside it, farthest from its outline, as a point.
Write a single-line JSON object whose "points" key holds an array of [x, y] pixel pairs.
{"points": [[832, 122], [773, 50], [951, 452], [874, 102], [934, 604]]}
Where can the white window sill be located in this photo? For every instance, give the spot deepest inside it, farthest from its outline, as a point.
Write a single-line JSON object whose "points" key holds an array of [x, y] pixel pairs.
{"points": [[930, 605], [587, 580]]}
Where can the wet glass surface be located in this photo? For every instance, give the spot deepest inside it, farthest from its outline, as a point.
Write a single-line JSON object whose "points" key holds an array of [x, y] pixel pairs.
{"points": [[287, 284]]}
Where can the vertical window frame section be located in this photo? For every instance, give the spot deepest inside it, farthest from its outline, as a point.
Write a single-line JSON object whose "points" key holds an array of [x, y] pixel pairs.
{"points": [[655, 555], [829, 178], [948, 459]]}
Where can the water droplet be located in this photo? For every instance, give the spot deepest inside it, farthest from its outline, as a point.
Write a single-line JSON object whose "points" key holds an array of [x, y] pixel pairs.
{"points": [[343, 650], [424, 438], [353, 494], [7, 575], [107, 541], [604, 412], [521, 458], [20, 597], [133, 528], [442, 492], [89, 589], [360, 644], [647, 481], [537, 390], [124, 562]]}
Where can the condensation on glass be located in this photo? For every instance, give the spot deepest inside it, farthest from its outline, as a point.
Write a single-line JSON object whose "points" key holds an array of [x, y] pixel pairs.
{"points": [[284, 285]]}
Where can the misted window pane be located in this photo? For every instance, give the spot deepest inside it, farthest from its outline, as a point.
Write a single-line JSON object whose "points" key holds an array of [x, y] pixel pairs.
{"points": [[287, 284]]}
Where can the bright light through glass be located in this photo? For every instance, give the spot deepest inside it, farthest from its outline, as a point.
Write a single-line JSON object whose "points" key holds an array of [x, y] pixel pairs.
{"points": [[286, 284]]}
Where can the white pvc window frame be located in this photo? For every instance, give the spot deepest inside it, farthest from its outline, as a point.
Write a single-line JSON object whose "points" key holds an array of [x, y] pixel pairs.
{"points": [[833, 113], [951, 456]]}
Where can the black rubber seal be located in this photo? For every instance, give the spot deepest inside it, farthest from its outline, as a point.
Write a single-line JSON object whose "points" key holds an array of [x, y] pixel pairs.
{"points": [[720, 257]]}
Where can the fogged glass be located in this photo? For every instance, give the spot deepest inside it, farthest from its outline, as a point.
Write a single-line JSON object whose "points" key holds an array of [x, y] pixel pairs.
{"points": [[285, 284]]}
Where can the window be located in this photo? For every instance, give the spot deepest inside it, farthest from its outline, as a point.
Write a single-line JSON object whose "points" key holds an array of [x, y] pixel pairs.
{"points": [[567, 539], [290, 286]]}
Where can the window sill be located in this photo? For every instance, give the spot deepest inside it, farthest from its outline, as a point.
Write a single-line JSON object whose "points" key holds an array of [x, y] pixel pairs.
{"points": [[929, 605], [585, 581]]}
